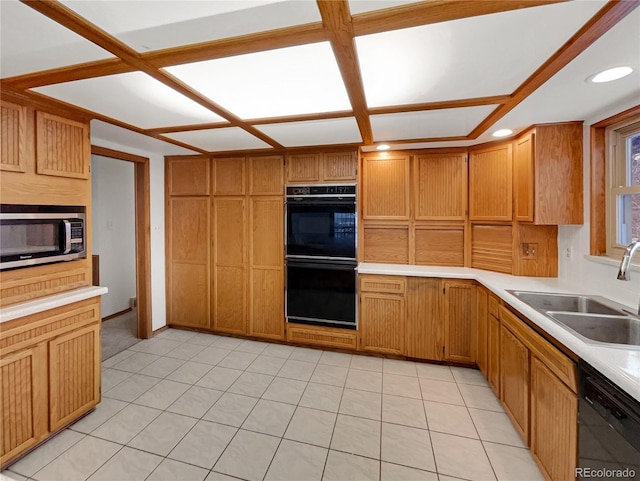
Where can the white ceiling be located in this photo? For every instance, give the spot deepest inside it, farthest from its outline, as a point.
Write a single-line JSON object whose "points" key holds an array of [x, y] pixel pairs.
{"points": [[472, 57]]}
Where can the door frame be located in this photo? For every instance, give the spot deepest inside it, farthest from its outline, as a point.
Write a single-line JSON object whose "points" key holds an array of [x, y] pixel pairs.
{"points": [[143, 233]]}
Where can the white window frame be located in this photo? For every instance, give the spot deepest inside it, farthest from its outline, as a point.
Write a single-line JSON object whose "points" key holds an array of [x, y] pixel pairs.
{"points": [[616, 181]]}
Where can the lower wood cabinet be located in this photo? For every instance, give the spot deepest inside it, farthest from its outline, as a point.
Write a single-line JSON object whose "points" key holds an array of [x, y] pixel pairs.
{"points": [[460, 319], [493, 345], [49, 373], [383, 313], [424, 318]]}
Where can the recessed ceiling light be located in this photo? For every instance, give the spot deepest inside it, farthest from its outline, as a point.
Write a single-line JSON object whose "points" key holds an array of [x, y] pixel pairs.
{"points": [[383, 147], [611, 74], [502, 132]]}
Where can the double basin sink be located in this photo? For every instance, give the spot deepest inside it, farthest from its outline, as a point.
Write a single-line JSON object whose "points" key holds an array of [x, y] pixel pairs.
{"points": [[586, 316]]}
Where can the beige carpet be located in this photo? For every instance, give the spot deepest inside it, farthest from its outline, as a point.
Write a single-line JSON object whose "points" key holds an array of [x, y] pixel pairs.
{"points": [[119, 334]]}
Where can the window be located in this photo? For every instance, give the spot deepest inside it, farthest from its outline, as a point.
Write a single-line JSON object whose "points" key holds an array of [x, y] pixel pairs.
{"points": [[623, 185]]}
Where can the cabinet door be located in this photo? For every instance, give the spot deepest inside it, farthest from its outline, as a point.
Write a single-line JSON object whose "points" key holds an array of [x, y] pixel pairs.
{"points": [[266, 267], [440, 187], [554, 423], [13, 140], [188, 261], [385, 187], [382, 323], [229, 176], [187, 176], [460, 323], [339, 167], [424, 318], [514, 380], [493, 353], [23, 400], [228, 300], [62, 147], [266, 175], [523, 178], [303, 167], [483, 330], [74, 375], [490, 183]]}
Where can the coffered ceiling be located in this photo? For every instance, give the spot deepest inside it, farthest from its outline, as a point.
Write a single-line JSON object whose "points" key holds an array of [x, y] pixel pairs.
{"points": [[226, 75]]}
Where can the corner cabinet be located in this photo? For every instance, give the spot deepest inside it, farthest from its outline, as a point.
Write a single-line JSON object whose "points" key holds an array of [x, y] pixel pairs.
{"points": [[460, 320], [49, 373]]}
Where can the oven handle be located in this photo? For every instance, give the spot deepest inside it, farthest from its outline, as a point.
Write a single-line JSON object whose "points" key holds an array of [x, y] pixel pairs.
{"points": [[340, 202], [313, 265]]}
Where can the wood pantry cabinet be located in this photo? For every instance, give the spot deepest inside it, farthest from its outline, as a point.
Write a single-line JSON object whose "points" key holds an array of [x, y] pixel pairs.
{"points": [[49, 373], [322, 167]]}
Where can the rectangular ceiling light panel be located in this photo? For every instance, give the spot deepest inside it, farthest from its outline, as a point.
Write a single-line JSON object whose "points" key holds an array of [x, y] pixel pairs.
{"points": [[288, 81], [429, 123], [145, 25], [314, 132], [134, 98], [31, 42], [220, 140], [472, 57]]}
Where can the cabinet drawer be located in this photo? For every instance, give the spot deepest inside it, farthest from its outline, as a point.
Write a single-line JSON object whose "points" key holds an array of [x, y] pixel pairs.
{"points": [[321, 336], [494, 306], [387, 284], [556, 361]]}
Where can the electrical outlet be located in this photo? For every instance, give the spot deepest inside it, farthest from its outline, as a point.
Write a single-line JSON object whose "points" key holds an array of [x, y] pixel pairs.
{"points": [[529, 250], [568, 252]]}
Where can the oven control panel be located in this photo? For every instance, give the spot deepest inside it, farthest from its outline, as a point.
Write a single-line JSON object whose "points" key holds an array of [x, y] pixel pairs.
{"points": [[313, 190]]}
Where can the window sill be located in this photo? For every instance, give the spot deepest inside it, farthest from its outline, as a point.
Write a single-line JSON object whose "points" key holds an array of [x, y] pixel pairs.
{"points": [[610, 261]]}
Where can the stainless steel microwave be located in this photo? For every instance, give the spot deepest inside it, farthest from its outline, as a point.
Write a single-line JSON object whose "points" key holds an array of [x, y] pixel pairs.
{"points": [[40, 234]]}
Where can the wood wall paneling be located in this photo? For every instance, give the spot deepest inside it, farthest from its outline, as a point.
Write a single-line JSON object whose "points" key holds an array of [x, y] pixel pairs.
{"points": [[523, 178], [491, 248], [339, 166], [188, 176], [386, 243], [385, 187], [460, 321], [440, 187], [303, 168], [490, 183], [228, 300], [425, 325], [62, 146], [439, 245], [229, 176], [266, 175], [13, 137]]}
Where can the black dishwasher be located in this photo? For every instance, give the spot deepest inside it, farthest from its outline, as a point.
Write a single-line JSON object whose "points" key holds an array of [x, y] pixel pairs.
{"points": [[609, 428]]}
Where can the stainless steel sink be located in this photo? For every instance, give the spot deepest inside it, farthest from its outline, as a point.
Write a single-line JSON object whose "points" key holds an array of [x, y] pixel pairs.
{"points": [[546, 301], [610, 329], [586, 317]]}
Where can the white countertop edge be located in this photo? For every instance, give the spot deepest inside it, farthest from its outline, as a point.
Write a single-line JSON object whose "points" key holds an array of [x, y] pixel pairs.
{"points": [[50, 302], [620, 365]]}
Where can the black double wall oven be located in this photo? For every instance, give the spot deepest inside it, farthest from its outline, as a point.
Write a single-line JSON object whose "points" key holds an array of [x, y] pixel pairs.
{"points": [[321, 240]]}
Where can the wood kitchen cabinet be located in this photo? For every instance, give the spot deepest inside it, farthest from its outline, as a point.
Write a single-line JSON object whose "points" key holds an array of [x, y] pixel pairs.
{"points": [[460, 320], [383, 314], [322, 167], [385, 187], [425, 325], [266, 175], [547, 174], [187, 176], [490, 183], [13, 137], [229, 176], [50, 373], [493, 344], [62, 146], [440, 186], [482, 301]]}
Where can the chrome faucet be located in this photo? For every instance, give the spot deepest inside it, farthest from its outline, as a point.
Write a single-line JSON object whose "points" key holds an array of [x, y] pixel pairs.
{"points": [[624, 273]]}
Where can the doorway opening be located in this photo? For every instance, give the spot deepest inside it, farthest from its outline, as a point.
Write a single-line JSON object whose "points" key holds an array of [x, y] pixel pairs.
{"points": [[139, 307]]}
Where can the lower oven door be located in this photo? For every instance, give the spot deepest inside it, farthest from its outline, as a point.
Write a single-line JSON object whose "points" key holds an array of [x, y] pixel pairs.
{"points": [[321, 293]]}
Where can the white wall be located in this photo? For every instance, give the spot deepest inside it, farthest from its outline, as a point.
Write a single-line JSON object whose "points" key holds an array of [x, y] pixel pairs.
{"points": [[596, 276], [156, 167], [113, 230]]}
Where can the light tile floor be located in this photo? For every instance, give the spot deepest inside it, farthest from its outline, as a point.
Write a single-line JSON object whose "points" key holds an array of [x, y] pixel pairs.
{"points": [[190, 406]]}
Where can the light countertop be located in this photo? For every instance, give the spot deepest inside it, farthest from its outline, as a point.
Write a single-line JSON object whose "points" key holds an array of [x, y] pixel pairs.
{"points": [[50, 302], [620, 364]]}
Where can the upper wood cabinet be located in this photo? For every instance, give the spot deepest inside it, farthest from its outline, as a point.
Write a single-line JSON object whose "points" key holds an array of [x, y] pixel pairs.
{"points": [[425, 325], [460, 321], [13, 137], [229, 176], [188, 176], [440, 186], [385, 186], [547, 175], [439, 245], [490, 183], [307, 168], [266, 175], [62, 146]]}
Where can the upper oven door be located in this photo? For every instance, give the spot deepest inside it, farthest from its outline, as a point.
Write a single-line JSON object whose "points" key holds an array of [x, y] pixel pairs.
{"points": [[321, 227]]}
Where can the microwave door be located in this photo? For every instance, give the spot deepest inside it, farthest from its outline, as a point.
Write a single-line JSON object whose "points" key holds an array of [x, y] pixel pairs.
{"points": [[20, 240]]}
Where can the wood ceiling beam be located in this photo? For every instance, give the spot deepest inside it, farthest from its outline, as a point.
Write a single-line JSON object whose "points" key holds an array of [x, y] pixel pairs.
{"points": [[605, 19], [68, 18], [445, 104], [434, 11], [337, 21]]}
